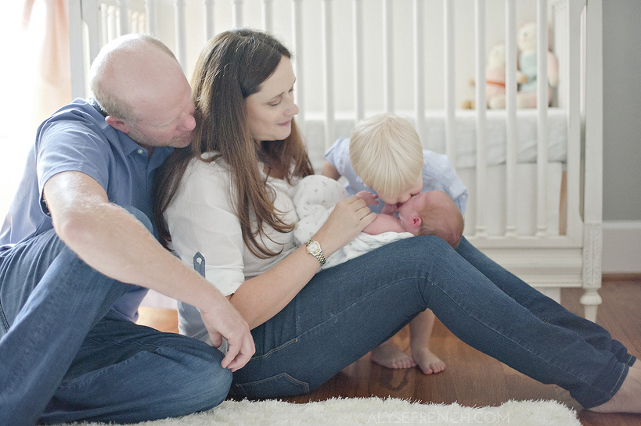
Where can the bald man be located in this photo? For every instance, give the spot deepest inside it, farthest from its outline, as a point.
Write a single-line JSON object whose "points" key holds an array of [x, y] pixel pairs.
{"points": [[78, 253]]}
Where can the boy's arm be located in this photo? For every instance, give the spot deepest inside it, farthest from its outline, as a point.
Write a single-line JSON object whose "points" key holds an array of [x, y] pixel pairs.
{"points": [[330, 171]]}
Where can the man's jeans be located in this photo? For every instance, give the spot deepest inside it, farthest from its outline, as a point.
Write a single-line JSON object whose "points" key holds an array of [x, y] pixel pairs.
{"points": [[348, 310], [64, 357]]}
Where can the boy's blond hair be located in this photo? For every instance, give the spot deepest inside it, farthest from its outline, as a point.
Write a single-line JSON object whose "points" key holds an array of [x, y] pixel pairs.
{"points": [[386, 153]]}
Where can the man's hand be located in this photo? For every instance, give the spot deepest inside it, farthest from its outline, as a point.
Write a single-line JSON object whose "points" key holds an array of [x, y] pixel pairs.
{"points": [[225, 321]]}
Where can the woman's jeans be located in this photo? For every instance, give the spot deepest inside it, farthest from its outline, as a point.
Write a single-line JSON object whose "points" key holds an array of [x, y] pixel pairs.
{"points": [[65, 357], [346, 311]]}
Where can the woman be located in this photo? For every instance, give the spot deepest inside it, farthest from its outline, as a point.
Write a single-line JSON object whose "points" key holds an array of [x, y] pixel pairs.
{"points": [[227, 205]]}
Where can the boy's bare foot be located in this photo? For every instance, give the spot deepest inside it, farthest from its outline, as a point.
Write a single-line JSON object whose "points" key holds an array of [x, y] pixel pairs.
{"points": [[427, 361], [627, 399], [388, 355]]}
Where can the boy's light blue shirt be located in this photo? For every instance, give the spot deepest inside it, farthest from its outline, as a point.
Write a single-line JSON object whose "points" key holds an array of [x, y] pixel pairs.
{"points": [[438, 174]]}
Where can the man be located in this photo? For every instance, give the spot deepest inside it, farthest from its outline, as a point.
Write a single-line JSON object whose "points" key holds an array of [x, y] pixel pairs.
{"points": [[77, 255]]}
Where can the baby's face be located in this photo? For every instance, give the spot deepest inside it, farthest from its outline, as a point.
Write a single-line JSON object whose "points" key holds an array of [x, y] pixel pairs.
{"points": [[416, 204], [404, 195]]}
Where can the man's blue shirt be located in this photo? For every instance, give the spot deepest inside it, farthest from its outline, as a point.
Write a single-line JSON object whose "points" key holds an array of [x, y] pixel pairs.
{"points": [[77, 138]]}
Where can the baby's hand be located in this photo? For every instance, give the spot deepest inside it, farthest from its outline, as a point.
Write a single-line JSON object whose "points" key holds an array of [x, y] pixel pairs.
{"points": [[368, 197]]}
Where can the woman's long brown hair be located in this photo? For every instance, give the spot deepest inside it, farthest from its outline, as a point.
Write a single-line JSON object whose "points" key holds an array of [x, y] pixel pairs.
{"points": [[231, 67]]}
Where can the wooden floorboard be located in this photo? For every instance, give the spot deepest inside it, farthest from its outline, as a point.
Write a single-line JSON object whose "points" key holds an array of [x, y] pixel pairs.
{"points": [[472, 378]]}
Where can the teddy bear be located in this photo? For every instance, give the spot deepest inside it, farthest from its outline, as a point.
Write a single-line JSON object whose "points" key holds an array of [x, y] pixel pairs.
{"points": [[527, 75], [494, 79]]}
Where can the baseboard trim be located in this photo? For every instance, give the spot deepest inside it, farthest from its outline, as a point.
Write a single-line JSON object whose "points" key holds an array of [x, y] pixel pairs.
{"points": [[621, 278], [622, 247]]}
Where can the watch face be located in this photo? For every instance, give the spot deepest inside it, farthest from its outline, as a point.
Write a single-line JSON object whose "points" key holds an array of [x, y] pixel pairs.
{"points": [[313, 246]]}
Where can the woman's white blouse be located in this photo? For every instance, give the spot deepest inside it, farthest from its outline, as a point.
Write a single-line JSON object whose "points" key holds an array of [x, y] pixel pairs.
{"points": [[201, 219]]}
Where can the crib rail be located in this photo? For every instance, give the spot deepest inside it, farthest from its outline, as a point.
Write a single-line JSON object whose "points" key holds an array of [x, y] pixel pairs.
{"points": [[353, 59]]}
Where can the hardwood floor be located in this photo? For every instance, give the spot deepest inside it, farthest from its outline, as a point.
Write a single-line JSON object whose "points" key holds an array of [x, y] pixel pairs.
{"points": [[472, 378]]}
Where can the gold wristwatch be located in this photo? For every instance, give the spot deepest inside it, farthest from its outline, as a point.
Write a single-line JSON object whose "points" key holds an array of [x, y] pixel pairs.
{"points": [[314, 248]]}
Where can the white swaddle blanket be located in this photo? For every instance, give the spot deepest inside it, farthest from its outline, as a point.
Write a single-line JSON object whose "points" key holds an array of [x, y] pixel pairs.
{"points": [[314, 199]]}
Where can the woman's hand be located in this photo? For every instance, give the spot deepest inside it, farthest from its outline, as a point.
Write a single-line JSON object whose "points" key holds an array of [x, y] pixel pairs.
{"points": [[349, 218]]}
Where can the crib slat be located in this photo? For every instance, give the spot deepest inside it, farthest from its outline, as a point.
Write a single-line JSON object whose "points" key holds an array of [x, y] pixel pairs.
{"points": [[481, 122], [111, 26], [209, 19], [419, 69], [268, 19], [511, 129], [357, 36], [572, 78], [450, 124], [328, 71], [150, 17], [76, 49], [181, 39], [299, 51], [388, 56], [237, 13], [123, 17], [542, 111]]}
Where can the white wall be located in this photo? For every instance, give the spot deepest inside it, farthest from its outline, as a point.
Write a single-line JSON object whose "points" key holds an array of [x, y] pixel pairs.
{"points": [[622, 136]]}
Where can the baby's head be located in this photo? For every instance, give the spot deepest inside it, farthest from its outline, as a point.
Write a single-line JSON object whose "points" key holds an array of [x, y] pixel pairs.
{"points": [[386, 153], [432, 213]]}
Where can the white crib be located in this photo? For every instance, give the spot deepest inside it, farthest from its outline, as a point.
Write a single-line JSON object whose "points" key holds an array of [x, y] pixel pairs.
{"points": [[534, 175]]}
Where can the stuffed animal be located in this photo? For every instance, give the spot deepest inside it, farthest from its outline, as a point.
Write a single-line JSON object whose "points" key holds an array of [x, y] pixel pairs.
{"points": [[527, 43], [494, 79]]}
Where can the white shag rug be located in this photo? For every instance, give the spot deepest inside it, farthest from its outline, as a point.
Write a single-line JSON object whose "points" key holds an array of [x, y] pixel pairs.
{"points": [[373, 411]]}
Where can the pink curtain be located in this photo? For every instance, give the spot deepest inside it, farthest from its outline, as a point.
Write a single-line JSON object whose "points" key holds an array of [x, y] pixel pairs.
{"points": [[53, 79]]}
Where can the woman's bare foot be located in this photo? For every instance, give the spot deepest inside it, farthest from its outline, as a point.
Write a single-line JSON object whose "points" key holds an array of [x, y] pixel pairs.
{"points": [[388, 355], [427, 361], [628, 397]]}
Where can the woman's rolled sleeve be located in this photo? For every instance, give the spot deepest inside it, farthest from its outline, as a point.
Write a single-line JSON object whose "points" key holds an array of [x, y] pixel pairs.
{"points": [[201, 221]]}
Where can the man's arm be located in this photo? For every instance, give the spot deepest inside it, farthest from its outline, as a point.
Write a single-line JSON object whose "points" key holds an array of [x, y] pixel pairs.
{"points": [[116, 244]]}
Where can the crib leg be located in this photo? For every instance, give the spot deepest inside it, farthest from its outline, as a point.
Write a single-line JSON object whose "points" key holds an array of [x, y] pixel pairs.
{"points": [[592, 246], [590, 301]]}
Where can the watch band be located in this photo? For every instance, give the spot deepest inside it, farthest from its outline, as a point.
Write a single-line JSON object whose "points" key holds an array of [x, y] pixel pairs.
{"points": [[314, 248]]}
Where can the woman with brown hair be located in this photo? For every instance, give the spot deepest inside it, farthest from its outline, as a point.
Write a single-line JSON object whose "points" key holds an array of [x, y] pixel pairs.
{"points": [[224, 206]]}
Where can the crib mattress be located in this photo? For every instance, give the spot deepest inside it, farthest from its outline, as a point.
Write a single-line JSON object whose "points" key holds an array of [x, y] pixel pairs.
{"points": [[434, 129]]}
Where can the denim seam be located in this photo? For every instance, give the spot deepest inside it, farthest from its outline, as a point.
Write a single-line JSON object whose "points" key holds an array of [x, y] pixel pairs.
{"points": [[286, 376], [278, 348], [3, 318]]}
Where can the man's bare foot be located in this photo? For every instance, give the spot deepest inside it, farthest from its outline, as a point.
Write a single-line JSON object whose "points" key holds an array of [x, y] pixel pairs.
{"points": [[427, 361], [388, 355], [627, 399]]}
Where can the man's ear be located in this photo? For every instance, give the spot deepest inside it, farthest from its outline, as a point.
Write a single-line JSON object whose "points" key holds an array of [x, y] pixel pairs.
{"points": [[117, 123], [416, 221]]}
